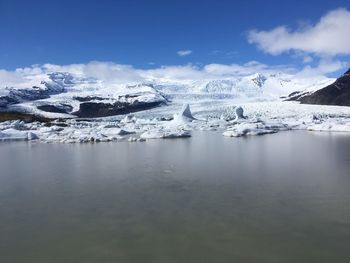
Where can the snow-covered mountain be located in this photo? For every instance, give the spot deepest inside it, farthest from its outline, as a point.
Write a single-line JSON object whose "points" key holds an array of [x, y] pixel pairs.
{"points": [[337, 93], [76, 95], [258, 84], [56, 99]]}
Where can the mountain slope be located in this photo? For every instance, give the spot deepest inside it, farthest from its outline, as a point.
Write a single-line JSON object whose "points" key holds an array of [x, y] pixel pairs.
{"points": [[338, 93], [83, 96]]}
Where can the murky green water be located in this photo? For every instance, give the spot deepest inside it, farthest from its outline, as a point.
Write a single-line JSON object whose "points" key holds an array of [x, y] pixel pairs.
{"points": [[277, 198]]}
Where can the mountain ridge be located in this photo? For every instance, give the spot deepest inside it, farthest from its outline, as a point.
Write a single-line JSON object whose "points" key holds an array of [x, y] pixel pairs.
{"points": [[337, 93]]}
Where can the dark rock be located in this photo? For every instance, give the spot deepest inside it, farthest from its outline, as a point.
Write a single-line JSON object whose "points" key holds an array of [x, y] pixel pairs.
{"points": [[60, 108], [26, 117], [295, 93], [88, 98], [296, 96], [259, 80], [166, 118], [100, 109], [337, 93]]}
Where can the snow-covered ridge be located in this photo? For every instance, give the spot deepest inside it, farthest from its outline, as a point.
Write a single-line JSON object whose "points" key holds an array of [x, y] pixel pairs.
{"points": [[255, 85]]}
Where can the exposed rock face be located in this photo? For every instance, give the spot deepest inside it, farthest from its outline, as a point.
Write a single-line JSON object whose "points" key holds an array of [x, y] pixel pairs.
{"points": [[88, 98], [296, 96], [6, 116], [59, 108], [98, 106], [101, 109], [259, 80], [337, 93]]}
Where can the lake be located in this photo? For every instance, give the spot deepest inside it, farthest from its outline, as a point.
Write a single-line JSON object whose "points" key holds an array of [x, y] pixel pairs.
{"points": [[276, 198]]}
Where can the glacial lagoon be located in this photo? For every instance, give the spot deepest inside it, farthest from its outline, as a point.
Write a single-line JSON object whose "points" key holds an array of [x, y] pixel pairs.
{"points": [[275, 198]]}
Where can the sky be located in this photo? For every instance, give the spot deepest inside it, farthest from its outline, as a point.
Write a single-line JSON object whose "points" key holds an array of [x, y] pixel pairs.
{"points": [[305, 35]]}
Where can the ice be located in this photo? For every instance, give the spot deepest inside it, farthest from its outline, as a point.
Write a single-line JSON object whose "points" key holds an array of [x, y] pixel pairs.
{"points": [[235, 106], [239, 113], [249, 129], [250, 118], [330, 126], [272, 117], [116, 131], [186, 112], [16, 135], [165, 134]]}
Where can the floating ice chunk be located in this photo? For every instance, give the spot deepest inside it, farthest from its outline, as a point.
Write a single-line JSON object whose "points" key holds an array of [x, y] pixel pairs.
{"points": [[51, 129], [184, 116], [19, 125], [239, 113], [32, 136], [15, 135], [132, 139], [248, 129], [276, 126], [128, 119], [186, 112], [165, 134], [135, 139], [239, 117], [183, 121], [176, 134], [116, 131], [152, 135], [330, 127]]}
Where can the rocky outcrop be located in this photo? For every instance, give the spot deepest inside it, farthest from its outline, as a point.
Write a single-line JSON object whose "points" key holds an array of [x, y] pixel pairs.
{"points": [[296, 96], [56, 108], [102, 109], [337, 93]]}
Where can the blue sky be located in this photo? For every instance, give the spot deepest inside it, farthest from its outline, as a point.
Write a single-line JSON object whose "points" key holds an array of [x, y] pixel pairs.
{"points": [[148, 34]]}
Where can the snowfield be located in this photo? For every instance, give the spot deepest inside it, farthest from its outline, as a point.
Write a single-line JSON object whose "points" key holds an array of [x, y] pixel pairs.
{"points": [[242, 106]]}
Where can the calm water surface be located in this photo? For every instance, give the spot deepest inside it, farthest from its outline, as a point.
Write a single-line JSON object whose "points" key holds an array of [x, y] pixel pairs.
{"points": [[276, 198]]}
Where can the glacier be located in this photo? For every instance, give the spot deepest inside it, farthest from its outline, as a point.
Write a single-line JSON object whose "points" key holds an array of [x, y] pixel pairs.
{"points": [[85, 109]]}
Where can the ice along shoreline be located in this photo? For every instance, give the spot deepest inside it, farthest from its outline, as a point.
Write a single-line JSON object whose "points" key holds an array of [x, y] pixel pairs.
{"points": [[250, 119]]}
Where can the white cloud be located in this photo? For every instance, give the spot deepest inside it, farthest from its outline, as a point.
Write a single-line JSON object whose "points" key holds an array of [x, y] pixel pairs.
{"points": [[114, 75], [21, 77], [307, 59], [324, 67], [224, 54], [330, 36], [183, 53]]}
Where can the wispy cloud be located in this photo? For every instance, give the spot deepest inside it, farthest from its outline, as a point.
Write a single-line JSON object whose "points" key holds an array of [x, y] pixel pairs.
{"points": [[224, 54], [328, 37], [183, 53]]}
